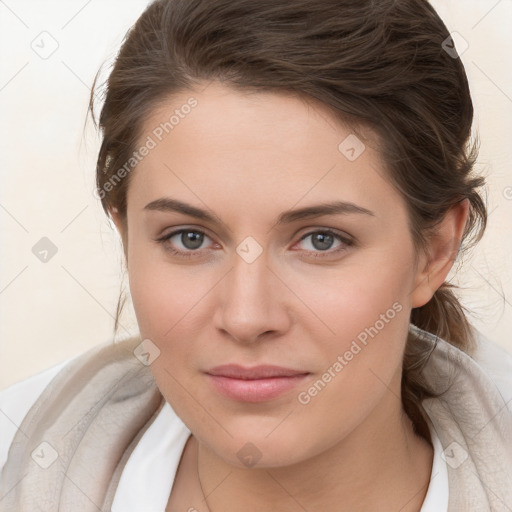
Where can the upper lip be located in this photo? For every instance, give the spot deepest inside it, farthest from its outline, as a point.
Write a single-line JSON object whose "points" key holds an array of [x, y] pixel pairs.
{"points": [[235, 371]]}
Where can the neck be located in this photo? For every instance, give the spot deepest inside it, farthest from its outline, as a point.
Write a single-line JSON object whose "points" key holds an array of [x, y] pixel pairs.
{"points": [[381, 465]]}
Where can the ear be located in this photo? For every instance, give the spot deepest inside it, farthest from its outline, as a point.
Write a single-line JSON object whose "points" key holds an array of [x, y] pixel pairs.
{"points": [[122, 228], [435, 264]]}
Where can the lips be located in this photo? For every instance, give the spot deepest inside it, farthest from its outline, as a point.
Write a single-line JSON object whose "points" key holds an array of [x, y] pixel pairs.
{"points": [[256, 384], [235, 371]]}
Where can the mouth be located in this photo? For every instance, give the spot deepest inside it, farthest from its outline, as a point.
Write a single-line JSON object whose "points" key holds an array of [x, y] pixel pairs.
{"points": [[257, 384]]}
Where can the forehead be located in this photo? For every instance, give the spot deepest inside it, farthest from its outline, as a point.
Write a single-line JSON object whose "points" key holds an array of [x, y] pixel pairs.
{"points": [[254, 148], [225, 116]]}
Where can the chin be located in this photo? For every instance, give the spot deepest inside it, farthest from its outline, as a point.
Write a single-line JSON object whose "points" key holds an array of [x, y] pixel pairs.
{"points": [[259, 447]]}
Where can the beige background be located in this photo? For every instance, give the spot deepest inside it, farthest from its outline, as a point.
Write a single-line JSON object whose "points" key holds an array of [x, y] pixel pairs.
{"points": [[52, 311]]}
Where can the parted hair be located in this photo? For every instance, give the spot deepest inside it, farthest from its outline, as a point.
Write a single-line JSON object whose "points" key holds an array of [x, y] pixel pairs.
{"points": [[381, 64]]}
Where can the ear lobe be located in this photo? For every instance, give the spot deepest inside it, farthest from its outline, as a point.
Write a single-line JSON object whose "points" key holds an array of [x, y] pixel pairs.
{"points": [[442, 252]]}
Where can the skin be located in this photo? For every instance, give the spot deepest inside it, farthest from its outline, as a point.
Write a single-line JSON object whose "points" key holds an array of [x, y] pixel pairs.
{"points": [[247, 158]]}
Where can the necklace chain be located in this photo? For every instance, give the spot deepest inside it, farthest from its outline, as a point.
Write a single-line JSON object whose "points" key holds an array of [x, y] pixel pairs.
{"points": [[199, 480]]}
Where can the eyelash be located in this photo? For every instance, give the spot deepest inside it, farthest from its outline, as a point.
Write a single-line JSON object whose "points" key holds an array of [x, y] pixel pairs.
{"points": [[316, 254]]}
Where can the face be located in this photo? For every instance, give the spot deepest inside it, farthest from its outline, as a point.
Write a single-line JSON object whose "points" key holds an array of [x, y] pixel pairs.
{"points": [[327, 294]]}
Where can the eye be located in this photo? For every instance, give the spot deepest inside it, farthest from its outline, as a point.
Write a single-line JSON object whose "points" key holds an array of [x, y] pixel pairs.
{"points": [[190, 239], [322, 240]]}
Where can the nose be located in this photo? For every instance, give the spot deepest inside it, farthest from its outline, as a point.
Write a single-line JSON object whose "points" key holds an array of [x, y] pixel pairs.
{"points": [[252, 302]]}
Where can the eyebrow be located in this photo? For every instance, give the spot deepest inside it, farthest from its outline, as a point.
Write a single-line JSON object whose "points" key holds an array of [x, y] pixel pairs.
{"points": [[167, 204]]}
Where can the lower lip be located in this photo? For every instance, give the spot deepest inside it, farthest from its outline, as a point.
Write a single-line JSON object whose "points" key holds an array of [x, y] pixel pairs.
{"points": [[256, 390]]}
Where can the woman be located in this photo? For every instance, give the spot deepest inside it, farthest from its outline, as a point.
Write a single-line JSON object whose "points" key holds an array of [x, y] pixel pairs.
{"points": [[292, 182]]}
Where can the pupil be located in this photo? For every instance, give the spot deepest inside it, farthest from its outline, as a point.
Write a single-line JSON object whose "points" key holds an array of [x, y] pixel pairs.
{"points": [[191, 240], [322, 238]]}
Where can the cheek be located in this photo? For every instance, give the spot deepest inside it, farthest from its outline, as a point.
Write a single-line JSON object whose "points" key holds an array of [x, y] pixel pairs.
{"points": [[173, 310], [162, 293], [365, 307], [151, 298], [163, 300], [364, 355], [364, 295]]}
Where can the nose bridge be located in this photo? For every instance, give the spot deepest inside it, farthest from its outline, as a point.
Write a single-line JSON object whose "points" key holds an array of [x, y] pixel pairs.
{"points": [[249, 280], [248, 307]]}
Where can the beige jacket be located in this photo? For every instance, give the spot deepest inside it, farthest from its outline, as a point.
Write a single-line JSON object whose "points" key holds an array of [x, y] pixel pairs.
{"points": [[96, 409]]}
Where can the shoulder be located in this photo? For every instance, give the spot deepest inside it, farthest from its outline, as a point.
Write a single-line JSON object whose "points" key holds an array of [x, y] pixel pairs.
{"points": [[496, 363], [489, 364], [16, 401], [471, 411]]}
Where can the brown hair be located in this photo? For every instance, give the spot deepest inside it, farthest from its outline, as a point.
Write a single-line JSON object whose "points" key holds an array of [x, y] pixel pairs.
{"points": [[376, 64]]}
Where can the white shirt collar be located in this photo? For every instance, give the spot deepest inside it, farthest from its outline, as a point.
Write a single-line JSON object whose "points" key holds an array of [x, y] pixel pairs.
{"points": [[149, 473]]}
